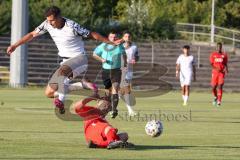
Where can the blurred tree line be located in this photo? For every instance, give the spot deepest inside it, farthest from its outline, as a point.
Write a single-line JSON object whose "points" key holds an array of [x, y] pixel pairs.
{"points": [[146, 19]]}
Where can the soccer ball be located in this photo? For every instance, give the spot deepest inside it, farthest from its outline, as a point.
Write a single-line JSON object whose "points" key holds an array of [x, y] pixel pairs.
{"points": [[154, 128]]}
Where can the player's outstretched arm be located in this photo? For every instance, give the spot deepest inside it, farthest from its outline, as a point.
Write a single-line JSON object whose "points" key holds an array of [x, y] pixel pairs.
{"points": [[83, 102], [97, 36], [86, 112], [28, 37]]}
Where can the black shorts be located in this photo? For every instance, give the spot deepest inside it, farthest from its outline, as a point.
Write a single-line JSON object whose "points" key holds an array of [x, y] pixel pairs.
{"points": [[110, 76]]}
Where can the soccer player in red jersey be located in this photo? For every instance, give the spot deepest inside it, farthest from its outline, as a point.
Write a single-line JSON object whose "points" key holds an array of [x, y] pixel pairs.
{"points": [[218, 60], [98, 132]]}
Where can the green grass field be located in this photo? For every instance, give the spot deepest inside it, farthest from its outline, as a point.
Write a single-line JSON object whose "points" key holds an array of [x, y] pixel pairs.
{"points": [[30, 129]]}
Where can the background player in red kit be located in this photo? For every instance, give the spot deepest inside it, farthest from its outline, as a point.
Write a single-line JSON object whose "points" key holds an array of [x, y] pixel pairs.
{"points": [[98, 132], [218, 60]]}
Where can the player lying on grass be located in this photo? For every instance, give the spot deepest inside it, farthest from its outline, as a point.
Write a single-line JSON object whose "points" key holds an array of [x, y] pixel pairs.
{"points": [[98, 132]]}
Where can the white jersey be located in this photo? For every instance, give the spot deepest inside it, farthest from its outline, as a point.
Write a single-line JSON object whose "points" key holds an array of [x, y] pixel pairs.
{"points": [[186, 64], [131, 52], [67, 39], [186, 69]]}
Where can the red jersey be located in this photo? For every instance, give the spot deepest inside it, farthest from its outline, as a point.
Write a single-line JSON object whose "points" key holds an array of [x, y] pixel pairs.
{"points": [[90, 115], [218, 60]]}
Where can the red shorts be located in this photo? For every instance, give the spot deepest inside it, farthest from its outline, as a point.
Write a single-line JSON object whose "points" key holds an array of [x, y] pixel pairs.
{"points": [[95, 132], [217, 78]]}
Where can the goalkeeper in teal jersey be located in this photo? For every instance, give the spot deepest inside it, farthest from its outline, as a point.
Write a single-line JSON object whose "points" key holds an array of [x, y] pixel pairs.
{"points": [[111, 58]]}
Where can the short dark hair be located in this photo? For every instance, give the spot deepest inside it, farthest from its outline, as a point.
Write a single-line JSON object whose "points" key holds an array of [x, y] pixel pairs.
{"points": [[219, 43], [186, 47], [126, 32], [112, 32], [53, 10]]}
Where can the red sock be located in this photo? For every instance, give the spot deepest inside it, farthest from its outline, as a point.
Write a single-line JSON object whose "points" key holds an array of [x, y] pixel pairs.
{"points": [[214, 92], [109, 137], [219, 96], [112, 135]]}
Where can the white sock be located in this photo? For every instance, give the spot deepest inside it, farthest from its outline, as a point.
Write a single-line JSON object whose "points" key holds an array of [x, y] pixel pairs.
{"points": [[127, 100], [55, 94], [71, 87], [129, 108], [61, 97], [185, 99], [66, 81], [63, 82]]}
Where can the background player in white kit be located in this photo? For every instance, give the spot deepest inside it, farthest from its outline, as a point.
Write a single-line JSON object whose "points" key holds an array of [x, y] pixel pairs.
{"points": [[185, 70], [132, 57], [67, 36]]}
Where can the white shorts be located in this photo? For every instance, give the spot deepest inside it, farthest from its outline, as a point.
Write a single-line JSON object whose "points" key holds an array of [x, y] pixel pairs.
{"points": [[185, 79], [78, 64], [127, 76]]}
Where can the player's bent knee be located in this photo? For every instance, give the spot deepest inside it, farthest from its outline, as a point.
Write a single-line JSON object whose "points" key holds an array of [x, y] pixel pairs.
{"points": [[49, 92], [214, 86], [127, 90], [123, 136], [107, 129], [115, 87], [107, 84]]}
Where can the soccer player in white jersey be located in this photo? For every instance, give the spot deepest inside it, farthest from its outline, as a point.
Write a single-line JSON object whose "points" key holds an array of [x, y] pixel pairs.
{"points": [[67, 36], [132, 57], [185, 70]]}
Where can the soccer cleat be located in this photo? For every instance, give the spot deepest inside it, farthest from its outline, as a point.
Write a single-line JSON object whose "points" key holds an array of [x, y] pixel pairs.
{"points": [[214, 103], [91, 144], [59, 105], [114, 114], [184, 104], [218, 104], [132, 113], [128, 145], [115, 144]]}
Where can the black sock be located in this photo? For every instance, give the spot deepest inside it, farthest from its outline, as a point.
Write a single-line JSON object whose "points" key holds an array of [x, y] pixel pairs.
{"points": [[114, 102]]}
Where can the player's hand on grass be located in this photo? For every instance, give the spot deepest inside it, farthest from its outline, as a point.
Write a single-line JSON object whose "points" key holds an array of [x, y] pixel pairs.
{"points": [[11, 49]]}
